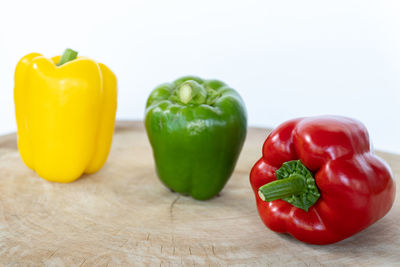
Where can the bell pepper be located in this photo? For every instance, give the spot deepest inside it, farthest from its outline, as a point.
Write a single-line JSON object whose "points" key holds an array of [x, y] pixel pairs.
{"points": [[318, 180], [196, 128], [65, 111]]}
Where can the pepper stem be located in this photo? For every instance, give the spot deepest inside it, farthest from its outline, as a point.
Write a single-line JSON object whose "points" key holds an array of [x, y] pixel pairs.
{"points": [[68, 55], [192, 92], [295, 184]]}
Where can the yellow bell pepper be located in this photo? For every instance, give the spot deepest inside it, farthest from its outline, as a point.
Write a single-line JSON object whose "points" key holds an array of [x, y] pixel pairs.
{"points": [[65, 113]]}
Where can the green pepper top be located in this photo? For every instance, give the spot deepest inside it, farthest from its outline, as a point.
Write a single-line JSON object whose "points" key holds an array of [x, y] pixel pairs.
{"points": [[196, 128], [191, 90]]}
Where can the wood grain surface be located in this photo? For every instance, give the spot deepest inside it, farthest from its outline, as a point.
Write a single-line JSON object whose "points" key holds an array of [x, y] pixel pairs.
{"points": [[123, 216]]}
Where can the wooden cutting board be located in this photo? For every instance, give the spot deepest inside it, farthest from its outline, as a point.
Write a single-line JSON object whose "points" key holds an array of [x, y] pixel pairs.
{"points": [[123, 215]]}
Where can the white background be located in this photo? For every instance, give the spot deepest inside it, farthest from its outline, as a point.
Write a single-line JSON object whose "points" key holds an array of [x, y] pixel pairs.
{"points": [[286, 58]]}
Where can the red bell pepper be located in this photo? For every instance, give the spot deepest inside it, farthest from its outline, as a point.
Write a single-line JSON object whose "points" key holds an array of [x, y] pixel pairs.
{"points": [[318, 180]]}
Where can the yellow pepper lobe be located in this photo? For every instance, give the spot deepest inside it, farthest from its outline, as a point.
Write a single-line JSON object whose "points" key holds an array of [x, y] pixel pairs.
{"points": [[65, 115], [107, 120], [24, 144]]}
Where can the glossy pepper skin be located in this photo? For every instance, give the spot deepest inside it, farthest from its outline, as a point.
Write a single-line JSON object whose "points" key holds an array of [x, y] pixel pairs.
{"points": [[356, 187], [65, 115], [196, 128]]}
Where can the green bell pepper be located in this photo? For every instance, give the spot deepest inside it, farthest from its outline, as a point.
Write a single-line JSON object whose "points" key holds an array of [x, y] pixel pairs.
{"points": [[196, 129]]}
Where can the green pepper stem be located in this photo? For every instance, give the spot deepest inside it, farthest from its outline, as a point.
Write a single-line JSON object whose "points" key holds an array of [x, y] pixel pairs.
{"points": [[192, 92], [278, 189], [185, 93], [68, 55]]}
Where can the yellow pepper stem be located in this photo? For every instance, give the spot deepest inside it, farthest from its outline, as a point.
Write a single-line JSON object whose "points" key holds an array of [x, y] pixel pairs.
{"points": [[68, 55]]}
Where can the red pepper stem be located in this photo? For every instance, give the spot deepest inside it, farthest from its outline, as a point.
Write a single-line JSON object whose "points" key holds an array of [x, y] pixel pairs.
{"points": [[293, 185], [68, 55]]}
